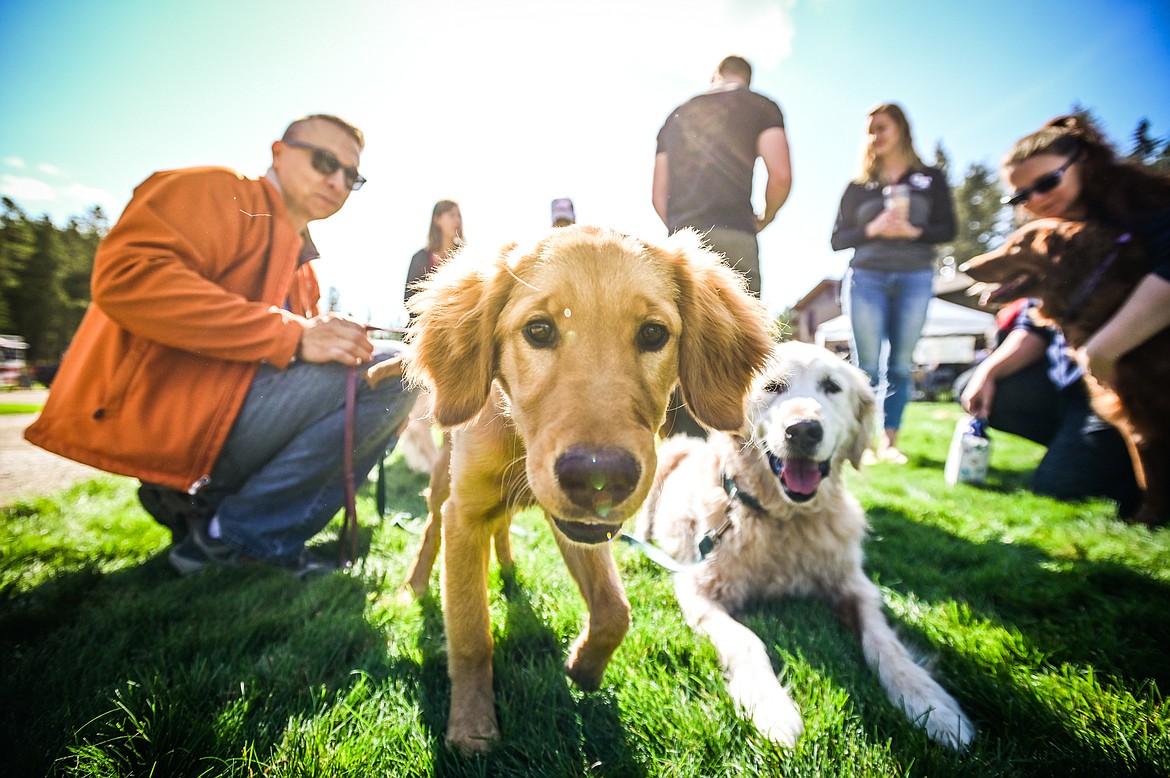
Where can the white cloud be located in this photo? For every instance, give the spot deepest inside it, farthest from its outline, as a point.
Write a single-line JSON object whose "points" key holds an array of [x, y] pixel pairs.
{"points": [[15, 162], [60, 202], [27, 189], [50, 169], [88, 194]]}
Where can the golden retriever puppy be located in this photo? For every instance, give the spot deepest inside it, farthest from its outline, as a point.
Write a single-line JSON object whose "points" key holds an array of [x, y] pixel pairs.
{"points": [[552, 365], [1082, 273], [767, 515]]}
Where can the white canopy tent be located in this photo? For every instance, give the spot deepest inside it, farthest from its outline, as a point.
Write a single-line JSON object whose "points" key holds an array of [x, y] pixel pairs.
{"points": [[948, 337]]}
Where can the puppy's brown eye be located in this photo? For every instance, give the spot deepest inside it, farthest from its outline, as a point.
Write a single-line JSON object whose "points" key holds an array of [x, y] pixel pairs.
{"points": [[776, 387], [540, 333], [829, 386], [652, 337]]}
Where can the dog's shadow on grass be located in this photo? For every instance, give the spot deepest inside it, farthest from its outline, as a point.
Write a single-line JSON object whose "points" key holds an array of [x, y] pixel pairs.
{"points": [[144, 668], [1062, 613], [1067, 609]]}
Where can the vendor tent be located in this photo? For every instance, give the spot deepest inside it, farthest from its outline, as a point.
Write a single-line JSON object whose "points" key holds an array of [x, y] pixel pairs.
{"points": [[949, 335]]}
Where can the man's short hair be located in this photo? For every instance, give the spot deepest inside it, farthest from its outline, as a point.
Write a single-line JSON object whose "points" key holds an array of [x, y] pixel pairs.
{"points": [[735, 66], [291, 132]]}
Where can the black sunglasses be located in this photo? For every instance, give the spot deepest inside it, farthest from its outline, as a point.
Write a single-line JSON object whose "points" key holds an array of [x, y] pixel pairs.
{"points": [[1042, 185], [326, 164]]}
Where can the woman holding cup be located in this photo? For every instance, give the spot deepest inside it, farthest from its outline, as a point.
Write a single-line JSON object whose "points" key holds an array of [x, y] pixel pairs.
{"points": [[892, 215]]}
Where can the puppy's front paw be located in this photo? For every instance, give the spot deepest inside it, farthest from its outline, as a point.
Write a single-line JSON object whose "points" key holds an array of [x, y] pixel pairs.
{"points": [[473, 737], [587, 662], [586, 676]]}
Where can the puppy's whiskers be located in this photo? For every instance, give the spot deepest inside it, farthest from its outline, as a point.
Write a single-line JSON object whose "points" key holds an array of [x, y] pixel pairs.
{"points": [[513, 498]]}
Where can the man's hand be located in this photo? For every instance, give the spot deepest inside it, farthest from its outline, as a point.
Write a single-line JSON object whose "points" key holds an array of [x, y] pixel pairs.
{"points": [[334, 338]]}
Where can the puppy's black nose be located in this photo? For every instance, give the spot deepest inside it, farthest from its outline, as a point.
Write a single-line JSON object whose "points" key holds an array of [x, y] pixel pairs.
{"points": [[804, 436], [597, 479]]}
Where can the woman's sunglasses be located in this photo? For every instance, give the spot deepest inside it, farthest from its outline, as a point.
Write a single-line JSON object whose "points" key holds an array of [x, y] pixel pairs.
{"points": [[326, 164], [1042, 185]]}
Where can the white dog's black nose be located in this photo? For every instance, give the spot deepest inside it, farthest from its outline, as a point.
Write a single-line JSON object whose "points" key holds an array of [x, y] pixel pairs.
{"points": [[597, 479], [803, 437]]}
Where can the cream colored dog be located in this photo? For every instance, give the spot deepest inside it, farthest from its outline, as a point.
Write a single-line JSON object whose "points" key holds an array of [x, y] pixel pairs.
{"points": [[552, 365], [773, 512]]}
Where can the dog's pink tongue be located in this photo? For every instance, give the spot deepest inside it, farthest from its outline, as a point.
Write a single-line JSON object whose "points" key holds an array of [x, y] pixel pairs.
{"points": [[802, 476]]}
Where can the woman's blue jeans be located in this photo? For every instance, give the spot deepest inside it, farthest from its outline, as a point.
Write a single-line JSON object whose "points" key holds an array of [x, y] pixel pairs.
{"points": [[280, 480], [887, 310]]}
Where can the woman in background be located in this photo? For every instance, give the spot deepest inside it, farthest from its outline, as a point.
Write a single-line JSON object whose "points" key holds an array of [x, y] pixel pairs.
{"points": [[1096, 186], [891, 215], [446, 234], [1031, 385]]}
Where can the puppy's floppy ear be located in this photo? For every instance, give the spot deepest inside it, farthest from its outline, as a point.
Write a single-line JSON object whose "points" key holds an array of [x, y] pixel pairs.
{"points": [[864, 411], [726, 333], [453, 333]]}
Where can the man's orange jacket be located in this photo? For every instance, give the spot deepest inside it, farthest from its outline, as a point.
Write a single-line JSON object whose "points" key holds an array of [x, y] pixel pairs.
{"points": [[194, 287]]}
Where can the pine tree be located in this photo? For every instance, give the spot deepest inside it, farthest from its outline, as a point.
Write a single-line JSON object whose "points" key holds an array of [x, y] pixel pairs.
{"points": [[16, 247], [37, 302], [979, 218], [1145, 148]]}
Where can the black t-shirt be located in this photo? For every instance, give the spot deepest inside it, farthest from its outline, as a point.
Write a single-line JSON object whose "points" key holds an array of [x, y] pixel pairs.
{"points": [[1152, 229], [711, 142]]}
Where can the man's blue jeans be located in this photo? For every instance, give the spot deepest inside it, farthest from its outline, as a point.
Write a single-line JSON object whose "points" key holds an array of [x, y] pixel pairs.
{"points": [[280, 480], [887, 309]]}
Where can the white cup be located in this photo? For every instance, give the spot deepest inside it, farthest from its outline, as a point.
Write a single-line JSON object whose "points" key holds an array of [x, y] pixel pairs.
{"points": [[897, 199]]}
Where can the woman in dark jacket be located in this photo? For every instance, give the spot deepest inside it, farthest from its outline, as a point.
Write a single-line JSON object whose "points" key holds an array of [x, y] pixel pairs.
{"points": [[446, 234], [891, 215]]}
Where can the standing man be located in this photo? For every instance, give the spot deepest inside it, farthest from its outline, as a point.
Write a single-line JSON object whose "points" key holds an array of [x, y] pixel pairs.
{"points": [[707, 152], [204, 368], [703, 172]]}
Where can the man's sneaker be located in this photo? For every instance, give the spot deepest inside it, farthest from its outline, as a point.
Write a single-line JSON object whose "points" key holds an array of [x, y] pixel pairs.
{"points": [[198, 550], [173, 509], [187, 557], [308, 564]]}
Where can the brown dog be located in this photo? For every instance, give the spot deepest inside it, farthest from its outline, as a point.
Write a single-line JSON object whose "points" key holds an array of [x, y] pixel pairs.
{"points": [[557, 360], [1082, 273]]}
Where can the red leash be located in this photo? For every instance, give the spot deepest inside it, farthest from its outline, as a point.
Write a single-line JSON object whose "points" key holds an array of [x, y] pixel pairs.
{"points": [[349, 527]]}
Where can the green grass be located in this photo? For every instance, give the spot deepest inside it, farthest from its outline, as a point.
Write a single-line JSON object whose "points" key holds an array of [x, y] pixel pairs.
{"points": [[1047, 622], [10, 408]]}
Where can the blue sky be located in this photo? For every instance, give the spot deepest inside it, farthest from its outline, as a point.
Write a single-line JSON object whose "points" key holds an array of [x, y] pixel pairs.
{"points": [[505, 105]]}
